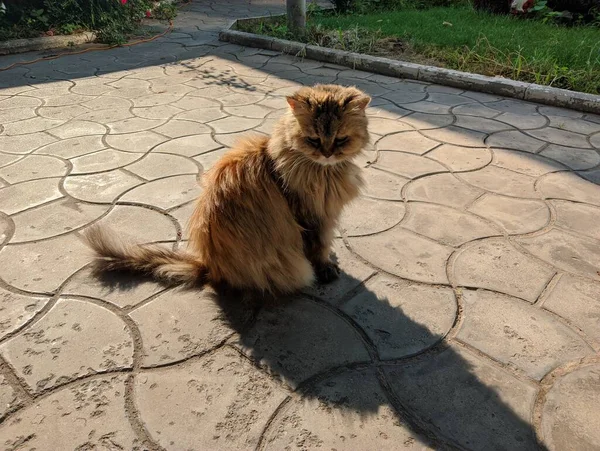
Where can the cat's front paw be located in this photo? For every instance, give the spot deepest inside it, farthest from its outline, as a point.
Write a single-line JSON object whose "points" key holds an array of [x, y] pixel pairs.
{"points": [[327, 272]]}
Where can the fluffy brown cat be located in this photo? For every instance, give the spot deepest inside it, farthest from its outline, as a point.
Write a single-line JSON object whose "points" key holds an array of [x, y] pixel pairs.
{"points": [[266, 216]]}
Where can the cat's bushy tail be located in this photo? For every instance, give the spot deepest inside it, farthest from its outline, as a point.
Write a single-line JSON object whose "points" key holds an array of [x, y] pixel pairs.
{"points": [[114, 254]]}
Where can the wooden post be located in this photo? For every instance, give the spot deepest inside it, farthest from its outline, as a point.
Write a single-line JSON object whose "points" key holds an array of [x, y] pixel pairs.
{"points": [[296, 15]]}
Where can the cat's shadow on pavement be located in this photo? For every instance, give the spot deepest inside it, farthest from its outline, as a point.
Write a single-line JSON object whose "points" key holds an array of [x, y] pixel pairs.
{"points": [[360, 355], [352, 356]]}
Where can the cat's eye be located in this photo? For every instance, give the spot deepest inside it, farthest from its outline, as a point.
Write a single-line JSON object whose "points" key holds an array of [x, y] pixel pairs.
{"points": [[340, 141], [316, 142]]}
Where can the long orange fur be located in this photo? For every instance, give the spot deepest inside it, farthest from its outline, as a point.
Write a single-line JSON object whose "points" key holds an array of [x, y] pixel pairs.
{"points": [[266, 216]]}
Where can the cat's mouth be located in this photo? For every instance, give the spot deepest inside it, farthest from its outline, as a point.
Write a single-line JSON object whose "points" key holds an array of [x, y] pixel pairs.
{"points": [[327, 161]]}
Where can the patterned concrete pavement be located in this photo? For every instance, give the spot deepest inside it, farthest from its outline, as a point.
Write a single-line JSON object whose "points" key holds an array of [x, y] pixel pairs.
{"points": [[468, 314]]}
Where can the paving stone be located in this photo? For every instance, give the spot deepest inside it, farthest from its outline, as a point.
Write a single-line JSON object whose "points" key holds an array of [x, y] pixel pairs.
{"points": [[287, 341], [345, 412], [76, 128], [422, 121], [481, 124], [42, 266], [523, 121], [233, 124], [461, 158], [561, 137], [407, 165], [179, 324], [132, 125], [591, 175], [102, 161], [73, 147], [525, 163], [191, 414], [104, 187], [90, 413], [202, 114], [576, 125], [16, 198], [402, 318], [455, 229], [383, 185], [555, 111], [252, 111], [33, 167], [52, 219], [157, 165], [405, 254], [108, 102], [502, 181], [578, 301], [514, 106], [6, 229], [119, 289], [412, 142], [475, 109], [165, 193], [566, 251], [578, 217], [106, 116], [25, 144], [17, 310], [595, 140], [518, 334], [62, 347], [135, 142], [442, 189], [6, 159], [353, 273], [156, 112], [569, 419], [514, 215], [194, 104], [10, 399], [565, 185], [514, 140], [20, 102], [572, 157], [178, 128], [496, 265], [36, 124], [442, 391], [16, 114], [142, 225], [367, 216], [424, 106], [385, 126], [189, 145], [457, 136]]}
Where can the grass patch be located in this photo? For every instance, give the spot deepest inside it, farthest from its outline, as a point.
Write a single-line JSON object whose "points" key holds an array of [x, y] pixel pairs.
{"points": [[460, 38]]}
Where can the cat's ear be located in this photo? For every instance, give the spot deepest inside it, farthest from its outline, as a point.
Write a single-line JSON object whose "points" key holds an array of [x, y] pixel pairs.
{"points": [[358, 103], [298, 105], [295, 104]]}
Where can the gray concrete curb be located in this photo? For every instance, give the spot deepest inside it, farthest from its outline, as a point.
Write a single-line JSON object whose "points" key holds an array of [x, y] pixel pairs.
{"points": [[546, 95], [44, 43]]}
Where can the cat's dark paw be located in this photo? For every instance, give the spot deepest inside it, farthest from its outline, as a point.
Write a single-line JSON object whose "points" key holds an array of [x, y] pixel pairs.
{"points": [[327, 272]]}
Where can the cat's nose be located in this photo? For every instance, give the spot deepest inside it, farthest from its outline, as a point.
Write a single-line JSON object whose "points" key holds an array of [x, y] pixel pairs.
{"points": [[327, 152]]}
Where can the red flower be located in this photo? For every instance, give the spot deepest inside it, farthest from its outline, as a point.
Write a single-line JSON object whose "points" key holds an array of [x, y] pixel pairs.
{"points": [[123, 2], [148, 13]]}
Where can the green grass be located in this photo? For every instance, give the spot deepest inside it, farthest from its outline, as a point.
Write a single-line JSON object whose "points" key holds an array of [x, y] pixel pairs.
{"points": [[461, 38]]}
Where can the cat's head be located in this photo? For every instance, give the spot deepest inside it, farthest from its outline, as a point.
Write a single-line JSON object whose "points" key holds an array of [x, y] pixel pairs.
{"points": [[332, 124]]}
